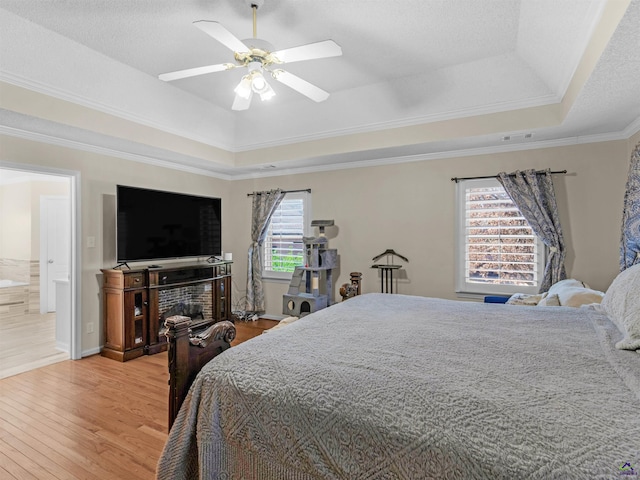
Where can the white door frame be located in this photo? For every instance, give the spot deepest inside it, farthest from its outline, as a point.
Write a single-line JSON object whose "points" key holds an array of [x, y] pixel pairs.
{"points": [[75, 260]]}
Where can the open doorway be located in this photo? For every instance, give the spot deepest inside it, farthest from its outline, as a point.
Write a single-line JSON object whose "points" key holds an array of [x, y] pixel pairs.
{"points": [[35, 204]]}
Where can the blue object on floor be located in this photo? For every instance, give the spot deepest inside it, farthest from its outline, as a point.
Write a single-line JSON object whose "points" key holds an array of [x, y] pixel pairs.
{"points": [[495, 299]]}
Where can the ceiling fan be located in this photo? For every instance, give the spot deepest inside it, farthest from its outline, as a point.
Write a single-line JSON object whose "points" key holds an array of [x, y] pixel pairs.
{"points": [[258, 56]]}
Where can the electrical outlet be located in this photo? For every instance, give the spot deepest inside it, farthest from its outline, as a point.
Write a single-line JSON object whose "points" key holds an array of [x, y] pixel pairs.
{"points": [[90, 327], [91, 242]]}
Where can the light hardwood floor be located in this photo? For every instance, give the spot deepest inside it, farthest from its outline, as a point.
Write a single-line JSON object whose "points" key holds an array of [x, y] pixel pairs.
{"points": [[27, 341], [94, 418], [249, 329]]}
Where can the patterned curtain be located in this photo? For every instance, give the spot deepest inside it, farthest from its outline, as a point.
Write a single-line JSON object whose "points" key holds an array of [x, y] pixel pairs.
{"points": [[533, 194], [264, 204], [630, 241]]}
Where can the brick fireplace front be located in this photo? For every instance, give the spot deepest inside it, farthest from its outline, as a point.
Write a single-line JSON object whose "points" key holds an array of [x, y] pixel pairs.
{"points": [[193, 301]]}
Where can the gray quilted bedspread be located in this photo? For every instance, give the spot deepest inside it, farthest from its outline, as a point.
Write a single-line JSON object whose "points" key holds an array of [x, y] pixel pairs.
{"points": [[392, 386]]}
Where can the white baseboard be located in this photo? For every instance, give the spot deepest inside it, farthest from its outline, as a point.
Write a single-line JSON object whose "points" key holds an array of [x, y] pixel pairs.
{"points": [[92, 351]]}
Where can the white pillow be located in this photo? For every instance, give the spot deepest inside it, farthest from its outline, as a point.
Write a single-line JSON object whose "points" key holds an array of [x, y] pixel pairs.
{"points": [[568, 282], [282, 323], [550, 301], [574, 293], [529, 300], [576, 297], [622, 305]]}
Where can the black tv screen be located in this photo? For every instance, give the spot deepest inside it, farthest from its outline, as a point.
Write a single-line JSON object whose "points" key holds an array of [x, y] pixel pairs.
{"points": [[152, 224]]}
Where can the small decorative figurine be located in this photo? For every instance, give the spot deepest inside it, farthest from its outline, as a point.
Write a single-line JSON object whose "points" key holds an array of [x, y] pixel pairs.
{"points": [[352, 289]]}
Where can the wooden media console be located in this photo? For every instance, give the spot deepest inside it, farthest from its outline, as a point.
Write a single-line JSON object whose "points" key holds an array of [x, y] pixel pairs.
{"points": [[136, 303]]}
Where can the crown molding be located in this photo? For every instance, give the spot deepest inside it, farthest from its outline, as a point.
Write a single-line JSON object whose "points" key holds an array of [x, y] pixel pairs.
{"points": [[63, 142], [470, 152], [67, 96], [625, 134], [494, 108], [632, 128]]}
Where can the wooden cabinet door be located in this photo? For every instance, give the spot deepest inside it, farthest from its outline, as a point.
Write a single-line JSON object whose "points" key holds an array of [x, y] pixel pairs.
{"points": [[222, 305], [135, 315]]}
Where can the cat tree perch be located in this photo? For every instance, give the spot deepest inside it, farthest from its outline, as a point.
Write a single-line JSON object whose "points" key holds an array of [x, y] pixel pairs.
{"points": [[311, 286]]}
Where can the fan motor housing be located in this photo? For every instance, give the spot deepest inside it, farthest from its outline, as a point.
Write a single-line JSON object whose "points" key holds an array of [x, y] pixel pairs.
{"points": [[260, 51]]}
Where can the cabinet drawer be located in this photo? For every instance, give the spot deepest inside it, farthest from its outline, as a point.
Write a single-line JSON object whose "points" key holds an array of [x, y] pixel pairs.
{"points": [[113, 279], [132, 280]]}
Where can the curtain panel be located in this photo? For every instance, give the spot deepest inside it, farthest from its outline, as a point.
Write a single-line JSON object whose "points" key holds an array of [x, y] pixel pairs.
{"points": [[535, 197], [263, 206], [630, 239]]}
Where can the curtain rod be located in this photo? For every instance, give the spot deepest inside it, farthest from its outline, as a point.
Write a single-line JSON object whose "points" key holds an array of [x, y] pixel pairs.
{"points": [[308, 190], [538, 172]]}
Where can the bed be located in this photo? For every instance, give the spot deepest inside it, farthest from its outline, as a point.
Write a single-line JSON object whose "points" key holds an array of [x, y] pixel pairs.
{"points": [[392, 386]]}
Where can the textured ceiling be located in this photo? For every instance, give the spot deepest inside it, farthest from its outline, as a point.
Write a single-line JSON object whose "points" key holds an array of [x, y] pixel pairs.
{"points": [[405, 64]]}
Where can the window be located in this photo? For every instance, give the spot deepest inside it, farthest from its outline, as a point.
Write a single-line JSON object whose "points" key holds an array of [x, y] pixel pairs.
{"points": [[283, 247], [497, 249]]}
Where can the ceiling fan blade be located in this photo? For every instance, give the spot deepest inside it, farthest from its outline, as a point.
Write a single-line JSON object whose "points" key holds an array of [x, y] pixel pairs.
{"points": [[298, 84], [221, 34], [241, 103], [324, 49], [192, 72]]}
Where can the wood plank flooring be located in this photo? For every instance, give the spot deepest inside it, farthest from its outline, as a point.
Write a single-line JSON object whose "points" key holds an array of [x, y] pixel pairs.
{"points": [[249, 329], [94, 418]]}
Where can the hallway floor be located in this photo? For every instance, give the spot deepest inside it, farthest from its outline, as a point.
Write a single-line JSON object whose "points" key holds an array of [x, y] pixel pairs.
{"points": [[28, 342]]}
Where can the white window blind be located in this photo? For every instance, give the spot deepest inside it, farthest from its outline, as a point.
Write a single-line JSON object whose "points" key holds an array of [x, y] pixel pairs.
{"points": [[283, 247], [498, 251]]}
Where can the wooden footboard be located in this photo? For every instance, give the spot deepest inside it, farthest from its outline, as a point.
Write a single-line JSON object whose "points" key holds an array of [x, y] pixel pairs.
{"points": [[189, 352]]}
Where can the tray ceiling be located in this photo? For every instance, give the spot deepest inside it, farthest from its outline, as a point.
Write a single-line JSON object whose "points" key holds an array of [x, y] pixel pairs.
{"points": [[416, 78]]}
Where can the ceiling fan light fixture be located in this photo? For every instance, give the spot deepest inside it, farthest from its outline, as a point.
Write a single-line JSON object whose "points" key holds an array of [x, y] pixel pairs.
{"points": [[258, 83], [243, 89], [268, 93], [257, 56]]}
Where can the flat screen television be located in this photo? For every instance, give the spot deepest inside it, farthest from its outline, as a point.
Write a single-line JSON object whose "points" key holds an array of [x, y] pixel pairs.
{"points": [[153, 224]]}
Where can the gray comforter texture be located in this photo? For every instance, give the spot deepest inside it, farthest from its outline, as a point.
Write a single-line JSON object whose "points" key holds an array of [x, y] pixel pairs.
{"points": [[401, 387]]}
